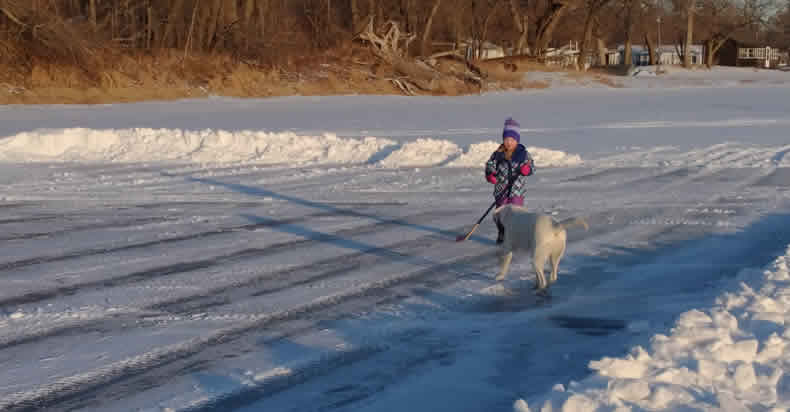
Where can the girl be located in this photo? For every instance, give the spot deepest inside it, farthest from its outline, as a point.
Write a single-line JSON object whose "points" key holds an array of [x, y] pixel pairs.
{"points": [[507, 170]]}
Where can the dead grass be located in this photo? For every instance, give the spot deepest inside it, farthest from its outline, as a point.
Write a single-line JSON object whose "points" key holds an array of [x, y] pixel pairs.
{"points": [[509, 72], [608, 81], [536, 85], [169, 76], [521, 64]]}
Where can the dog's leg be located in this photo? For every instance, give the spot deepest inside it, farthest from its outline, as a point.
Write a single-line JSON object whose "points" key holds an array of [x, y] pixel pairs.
{"points": [[505, 261], [538, 262], [555, 262]]}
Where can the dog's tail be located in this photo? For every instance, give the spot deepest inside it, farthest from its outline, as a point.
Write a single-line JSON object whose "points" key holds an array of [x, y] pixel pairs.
{"points": [[573, 221]]}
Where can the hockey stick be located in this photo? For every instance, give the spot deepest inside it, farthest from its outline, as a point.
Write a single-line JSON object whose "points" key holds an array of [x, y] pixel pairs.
{"points": [[461, 238]]}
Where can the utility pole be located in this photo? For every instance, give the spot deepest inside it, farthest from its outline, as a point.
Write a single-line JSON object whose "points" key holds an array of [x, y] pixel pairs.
{"points": [[658, 46]]}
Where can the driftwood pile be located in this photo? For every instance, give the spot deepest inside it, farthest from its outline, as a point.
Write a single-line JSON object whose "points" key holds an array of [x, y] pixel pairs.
{"points": [[416, 74]]}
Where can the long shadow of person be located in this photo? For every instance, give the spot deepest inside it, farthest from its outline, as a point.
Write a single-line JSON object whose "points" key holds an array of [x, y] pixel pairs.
{"points": [[262, 192]]}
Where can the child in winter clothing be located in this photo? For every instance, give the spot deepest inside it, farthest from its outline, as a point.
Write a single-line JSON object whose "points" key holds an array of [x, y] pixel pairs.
{"points": [[507, 170]]}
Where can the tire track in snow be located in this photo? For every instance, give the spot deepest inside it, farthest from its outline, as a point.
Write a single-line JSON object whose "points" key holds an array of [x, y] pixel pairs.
{"points": [[382, 295], [106, 379], [154, 179], [271, 283], [78, 254], [172, 304], [182, 358], [329, 363], [192, 203], [605, 174], [96, 226], [15, 205], [402, 354], [27, 219], [245, 254]]}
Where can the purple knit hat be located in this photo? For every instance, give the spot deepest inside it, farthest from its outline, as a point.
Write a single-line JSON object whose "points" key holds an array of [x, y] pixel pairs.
{"points": [[511, 130]]}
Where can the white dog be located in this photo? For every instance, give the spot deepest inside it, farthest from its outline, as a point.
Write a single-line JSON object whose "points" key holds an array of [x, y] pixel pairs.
{"points": [[533, 232]]}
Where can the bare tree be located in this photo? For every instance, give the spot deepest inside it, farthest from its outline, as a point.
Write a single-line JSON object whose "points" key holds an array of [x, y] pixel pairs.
{"points": [[426, 34], [458, 27], [724, 18], [375, 10], [482, 13], [230, 22], [174, 17], [548, 21], [686, 10], [247, 22], [92, 12], [211, 25], [629, 11], [521, 23], [407, 11], [355, 18], [652, 52], [778, 30], [271, 30], [690, 9], [592, 8], [601, 51]]}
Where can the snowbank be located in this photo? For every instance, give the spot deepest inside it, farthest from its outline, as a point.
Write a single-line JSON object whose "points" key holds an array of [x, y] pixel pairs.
{"points": [[422, 152], [479, 153], [219, 146], [734, 356], [140, 145], [667, 76], [257, 147]]}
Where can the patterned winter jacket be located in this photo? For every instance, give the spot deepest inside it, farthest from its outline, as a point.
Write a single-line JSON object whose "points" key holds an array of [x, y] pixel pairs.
{"points": [[509, 170]]}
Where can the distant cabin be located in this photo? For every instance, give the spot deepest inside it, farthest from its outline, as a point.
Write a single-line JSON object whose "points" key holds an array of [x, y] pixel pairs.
{"points": [[740, 54], [565, 56], [669, 54], [475, 50]]}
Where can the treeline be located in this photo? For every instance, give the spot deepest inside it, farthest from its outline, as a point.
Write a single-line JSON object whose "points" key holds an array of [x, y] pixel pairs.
{"points": [[270, 32]]}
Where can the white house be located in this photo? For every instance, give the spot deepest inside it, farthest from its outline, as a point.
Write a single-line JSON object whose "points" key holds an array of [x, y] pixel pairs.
{"points": [[483, 51], [564, 56], [668, 55], [763, 56]]}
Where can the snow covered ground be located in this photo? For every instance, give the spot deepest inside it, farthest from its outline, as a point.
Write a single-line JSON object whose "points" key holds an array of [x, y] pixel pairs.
{"points": [[298, 254], [666, 77]]}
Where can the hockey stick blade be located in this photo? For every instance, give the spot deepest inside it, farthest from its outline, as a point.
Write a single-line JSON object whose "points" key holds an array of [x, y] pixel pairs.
{"points": [[461, 238]]}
